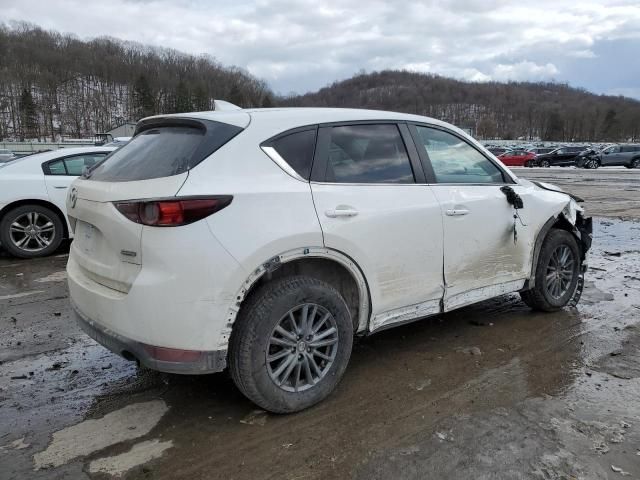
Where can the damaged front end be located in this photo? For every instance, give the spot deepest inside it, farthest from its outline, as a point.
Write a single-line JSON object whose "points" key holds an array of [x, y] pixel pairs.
{"points": [[573, 219], [582, 228]]}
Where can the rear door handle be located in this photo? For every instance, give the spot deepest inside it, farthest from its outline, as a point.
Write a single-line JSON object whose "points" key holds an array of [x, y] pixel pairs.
{"points": [[457, 212], [341, 212]]}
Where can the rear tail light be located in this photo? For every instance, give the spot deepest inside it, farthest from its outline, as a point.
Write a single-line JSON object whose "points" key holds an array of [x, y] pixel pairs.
{"points": [[172, 212]]}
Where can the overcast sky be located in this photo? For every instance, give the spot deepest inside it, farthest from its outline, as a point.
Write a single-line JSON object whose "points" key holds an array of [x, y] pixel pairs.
{"points": [[306, 44]]}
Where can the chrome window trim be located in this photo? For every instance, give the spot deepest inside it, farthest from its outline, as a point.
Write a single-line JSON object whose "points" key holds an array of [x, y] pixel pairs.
{"points": [[273, 154]]}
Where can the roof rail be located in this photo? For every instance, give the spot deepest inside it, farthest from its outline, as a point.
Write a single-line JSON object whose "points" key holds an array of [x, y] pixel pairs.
{"points": [[222, 106]]}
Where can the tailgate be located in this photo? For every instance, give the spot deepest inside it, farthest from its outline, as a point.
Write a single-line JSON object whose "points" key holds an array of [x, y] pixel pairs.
{"points": [[107, 245]]}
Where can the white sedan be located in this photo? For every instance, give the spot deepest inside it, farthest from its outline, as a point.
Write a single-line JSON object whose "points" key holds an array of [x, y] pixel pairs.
{"points": [[33, 191]]}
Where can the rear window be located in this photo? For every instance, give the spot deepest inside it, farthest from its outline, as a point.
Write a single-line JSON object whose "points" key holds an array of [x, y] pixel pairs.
{"points": [[163, 151]]}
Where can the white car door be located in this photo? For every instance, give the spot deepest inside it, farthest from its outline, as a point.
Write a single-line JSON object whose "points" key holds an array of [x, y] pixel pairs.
{"points": [[374, 206], [482, 258], [61, 172]]}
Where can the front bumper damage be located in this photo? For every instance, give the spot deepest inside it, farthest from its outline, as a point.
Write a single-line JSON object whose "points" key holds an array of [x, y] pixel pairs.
{"points": [[583, 230]]}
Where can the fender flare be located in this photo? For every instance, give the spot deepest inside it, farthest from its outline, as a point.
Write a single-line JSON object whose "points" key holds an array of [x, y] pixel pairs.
{"points": [[305, 252]]}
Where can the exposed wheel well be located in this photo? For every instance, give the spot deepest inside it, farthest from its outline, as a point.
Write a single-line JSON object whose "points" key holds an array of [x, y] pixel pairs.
{"points": [[559, 223], [42, 203], [323, 269]]}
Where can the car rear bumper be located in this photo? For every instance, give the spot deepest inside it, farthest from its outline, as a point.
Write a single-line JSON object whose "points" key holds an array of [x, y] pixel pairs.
{"points": [[156, 358]]}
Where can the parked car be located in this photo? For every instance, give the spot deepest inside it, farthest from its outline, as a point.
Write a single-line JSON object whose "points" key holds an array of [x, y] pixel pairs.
{"points": [[518, 158], [265, 239], [118, 142], [33, 191], [560, 157], [615, 155], [497, 151], [6, 155], [541, 150]]}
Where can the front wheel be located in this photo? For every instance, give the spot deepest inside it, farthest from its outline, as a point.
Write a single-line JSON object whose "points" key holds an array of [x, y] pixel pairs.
{"points": [[635, 163], [291, 344], [557, 273], [31, 231], [593, 164], [545, 164]]}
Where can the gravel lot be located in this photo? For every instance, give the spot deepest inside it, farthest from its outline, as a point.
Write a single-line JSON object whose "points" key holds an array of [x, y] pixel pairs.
{"points": [[490, 391]]}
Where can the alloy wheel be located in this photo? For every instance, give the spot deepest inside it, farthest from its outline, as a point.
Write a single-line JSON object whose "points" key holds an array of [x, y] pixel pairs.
{"points": [[560, 272], [302, 347], [32, 232]]}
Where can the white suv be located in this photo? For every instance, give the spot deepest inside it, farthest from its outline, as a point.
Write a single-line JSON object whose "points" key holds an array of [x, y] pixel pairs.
{"points": [[266, 239]]}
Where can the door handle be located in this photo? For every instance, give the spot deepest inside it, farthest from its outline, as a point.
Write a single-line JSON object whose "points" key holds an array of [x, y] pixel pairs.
{"points": [[457, 212], [61, 187], [341, 212]]}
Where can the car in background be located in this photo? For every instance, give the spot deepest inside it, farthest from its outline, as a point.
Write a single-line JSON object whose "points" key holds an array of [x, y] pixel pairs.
{"points": [[541, 150], [497, 151], [560, 157], [184, 261], [517, 158], [118, 142], [6, 155], [618, 155], [33, 190]]}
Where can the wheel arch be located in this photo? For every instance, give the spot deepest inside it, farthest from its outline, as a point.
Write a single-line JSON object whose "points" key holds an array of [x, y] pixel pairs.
{"points": [[580, 230], [37, 201], [323, 263]]}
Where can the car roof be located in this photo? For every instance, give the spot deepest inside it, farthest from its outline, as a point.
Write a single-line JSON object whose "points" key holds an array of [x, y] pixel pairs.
{"points": [[275, 120]]}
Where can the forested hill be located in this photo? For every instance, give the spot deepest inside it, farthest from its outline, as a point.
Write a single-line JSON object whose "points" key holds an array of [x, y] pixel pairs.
{"points": [[54, 85], [547, 111]]}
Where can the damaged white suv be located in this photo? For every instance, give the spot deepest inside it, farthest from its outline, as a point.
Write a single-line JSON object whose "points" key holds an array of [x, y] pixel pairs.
{"points": [[264, 240]]}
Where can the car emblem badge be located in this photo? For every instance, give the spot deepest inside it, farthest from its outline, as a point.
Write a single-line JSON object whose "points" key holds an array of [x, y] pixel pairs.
{"points": [[73, 197]]}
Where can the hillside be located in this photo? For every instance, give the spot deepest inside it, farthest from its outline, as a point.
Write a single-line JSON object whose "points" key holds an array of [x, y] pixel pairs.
{"points": [[546, 111], [54, 86]]}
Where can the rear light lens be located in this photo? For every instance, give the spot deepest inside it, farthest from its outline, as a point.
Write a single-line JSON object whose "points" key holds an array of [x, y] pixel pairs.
{"points": [[172, 212]]}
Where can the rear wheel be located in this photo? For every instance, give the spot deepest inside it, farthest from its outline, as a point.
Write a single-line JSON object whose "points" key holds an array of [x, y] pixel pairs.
{"points": [[291, 344], [635, 163], [557, 273], [31, 231]]}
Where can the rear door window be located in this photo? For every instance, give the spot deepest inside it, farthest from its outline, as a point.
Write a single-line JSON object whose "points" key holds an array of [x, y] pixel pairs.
{"points": [[164, 151], [368, 154], [74, 165]]}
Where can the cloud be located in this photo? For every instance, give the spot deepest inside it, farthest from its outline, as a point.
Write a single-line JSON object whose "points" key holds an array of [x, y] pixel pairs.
{"points": [[302, 45], [524, 71]]}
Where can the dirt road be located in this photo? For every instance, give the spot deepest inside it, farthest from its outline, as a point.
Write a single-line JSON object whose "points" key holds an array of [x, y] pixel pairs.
{"points": [[491, 391]]}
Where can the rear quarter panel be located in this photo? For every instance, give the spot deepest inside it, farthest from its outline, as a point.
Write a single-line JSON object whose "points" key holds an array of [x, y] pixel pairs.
{"points": [[271, 212]]}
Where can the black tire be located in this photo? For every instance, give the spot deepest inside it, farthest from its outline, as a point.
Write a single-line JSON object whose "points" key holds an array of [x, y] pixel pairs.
{"points": [[635, 163], [545, 163], [250, 342], [539, 297], [54, 235]]}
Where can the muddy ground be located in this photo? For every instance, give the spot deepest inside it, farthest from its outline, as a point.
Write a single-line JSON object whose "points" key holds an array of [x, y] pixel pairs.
{"points": [[490, 391]]}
